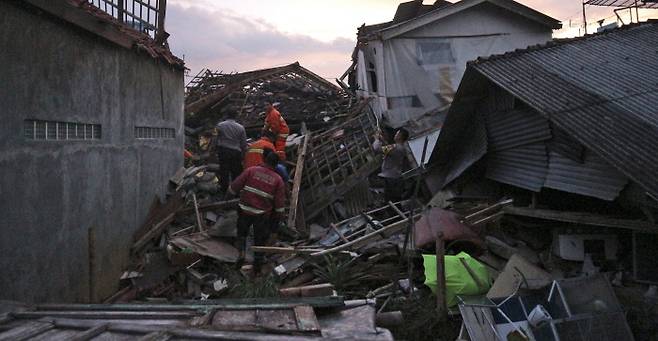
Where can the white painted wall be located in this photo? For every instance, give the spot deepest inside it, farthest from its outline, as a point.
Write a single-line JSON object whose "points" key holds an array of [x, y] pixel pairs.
{"points": [[405, 68]]}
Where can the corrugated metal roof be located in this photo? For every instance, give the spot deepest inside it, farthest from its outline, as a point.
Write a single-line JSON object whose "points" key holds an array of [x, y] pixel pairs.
{"points": [[516, 128], [523, 166], [593, 177], [601, 89]]}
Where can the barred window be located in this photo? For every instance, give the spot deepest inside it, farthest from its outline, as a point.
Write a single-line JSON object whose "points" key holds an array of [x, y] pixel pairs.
{"points": [[60, 131], [150, 133]]}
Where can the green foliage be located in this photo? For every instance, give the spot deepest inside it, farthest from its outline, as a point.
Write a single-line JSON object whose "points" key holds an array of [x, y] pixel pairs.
{"points": [[255, 288], [342, 273]]}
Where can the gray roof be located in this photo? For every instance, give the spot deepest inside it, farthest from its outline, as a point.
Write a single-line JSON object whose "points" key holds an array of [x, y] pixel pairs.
{"points": [[428, 14], [600, 89]]}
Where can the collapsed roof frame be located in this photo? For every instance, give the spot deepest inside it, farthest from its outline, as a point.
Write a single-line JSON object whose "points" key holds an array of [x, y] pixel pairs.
{"points": [[210, 94]]}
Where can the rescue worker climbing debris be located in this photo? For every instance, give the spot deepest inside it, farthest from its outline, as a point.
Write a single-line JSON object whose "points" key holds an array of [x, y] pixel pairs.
{"points": [[262, 200], [276, 124], [255, 154], [231, 147]]}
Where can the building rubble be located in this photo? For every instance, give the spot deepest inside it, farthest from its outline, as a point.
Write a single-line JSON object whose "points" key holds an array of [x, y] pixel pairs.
{"points": [[529, 213]]}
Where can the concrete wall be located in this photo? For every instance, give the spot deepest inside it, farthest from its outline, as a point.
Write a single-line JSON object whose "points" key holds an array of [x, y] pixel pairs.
{"points": [[53, 192]]}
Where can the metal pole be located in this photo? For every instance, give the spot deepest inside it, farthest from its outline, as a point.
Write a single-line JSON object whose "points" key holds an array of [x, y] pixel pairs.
{"points": [[120, 10], [408, 236], [160, 33], [584, 18], [441, 308]]}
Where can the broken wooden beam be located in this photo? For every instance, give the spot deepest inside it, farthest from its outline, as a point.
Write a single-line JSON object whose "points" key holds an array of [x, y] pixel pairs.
{"points": [[275, 249], [297, 183], [317, 290]]}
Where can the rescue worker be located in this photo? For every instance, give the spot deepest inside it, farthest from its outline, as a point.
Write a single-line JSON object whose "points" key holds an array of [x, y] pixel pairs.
{"points": [[231, 146], [262, 200], [254, 155], [275, 123], [395, 162], [255, 151]]}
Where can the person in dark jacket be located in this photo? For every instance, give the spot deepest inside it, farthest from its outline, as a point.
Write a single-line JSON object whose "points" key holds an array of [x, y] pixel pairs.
{"points": [[395, 162], [262, 203], [231, 147]]}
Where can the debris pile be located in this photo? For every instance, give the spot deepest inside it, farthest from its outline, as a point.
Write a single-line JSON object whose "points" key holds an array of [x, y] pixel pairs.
{"points": [[302, 95]]}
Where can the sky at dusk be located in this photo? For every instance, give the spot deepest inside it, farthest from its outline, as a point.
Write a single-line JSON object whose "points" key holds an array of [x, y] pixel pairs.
{"points": [[242, 35]]}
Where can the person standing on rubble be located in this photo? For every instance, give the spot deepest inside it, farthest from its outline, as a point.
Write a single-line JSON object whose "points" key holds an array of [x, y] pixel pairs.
{"points": [[276, 124], [231, 147], [255, 154], [262, 200], [395, 162]]}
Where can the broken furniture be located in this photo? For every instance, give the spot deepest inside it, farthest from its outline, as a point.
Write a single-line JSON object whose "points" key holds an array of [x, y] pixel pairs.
{"points": [[583, 308]]}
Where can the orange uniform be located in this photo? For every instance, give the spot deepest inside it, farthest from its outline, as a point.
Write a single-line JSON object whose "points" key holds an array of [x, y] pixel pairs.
{"points": [[275, 123], [254, 154]]}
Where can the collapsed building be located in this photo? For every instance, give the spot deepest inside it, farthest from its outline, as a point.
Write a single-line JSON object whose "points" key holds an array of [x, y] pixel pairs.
{"points": [[541, 173], [92, 128], [414, 63], [301, 94], [568, 130]]}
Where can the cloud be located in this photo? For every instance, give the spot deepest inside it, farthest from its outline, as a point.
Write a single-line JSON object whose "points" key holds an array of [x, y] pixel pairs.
{"points": [[227, 41]]}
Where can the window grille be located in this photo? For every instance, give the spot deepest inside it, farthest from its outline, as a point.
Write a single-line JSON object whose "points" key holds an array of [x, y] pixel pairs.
{"points": [[39, 130], [150, 133], [142, 15]]}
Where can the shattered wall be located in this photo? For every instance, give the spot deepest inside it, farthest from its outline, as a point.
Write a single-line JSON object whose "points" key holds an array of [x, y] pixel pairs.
{"points": [[53, 191]]}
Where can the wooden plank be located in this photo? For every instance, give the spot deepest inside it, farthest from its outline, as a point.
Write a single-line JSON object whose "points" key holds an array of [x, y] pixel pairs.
{"points": [[220, 205], [288, 250], [26, 331], [137, 315], [297, 183], [155, 232], [584, 218], [316, 290], [90, 333], [306, 319], [194, 305], [156, 336], [199, 221]]}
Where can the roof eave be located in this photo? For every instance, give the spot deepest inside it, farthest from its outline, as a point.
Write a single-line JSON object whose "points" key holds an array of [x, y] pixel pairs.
{"points": [[428, 18]]}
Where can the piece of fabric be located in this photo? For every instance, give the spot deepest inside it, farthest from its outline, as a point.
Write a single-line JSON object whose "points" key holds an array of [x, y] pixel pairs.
{"points": [[261, 190], [459, 280], [395, 159], [230, 166], [283, 172], [254, 155], [275, 123], [231, 135]]}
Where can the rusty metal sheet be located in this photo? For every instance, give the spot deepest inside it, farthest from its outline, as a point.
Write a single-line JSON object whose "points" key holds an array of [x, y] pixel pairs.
{"points": [[435, 221]]}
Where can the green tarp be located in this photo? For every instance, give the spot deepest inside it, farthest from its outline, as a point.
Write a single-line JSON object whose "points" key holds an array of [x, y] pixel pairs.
{"points": [[459, 281]]}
